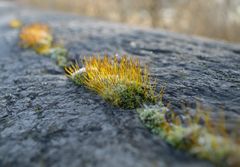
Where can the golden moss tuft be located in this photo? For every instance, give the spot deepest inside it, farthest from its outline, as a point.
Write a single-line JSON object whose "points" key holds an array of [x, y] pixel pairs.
{"points": [[37, 37], [15, 23], [122, 82]]}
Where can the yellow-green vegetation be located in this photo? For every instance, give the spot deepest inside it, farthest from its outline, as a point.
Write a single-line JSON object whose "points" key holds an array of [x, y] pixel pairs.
{"points": [[124, 83], [39, 38], [15, 23], [194, 133], [36, 36], [121, 81], [59, 55]]}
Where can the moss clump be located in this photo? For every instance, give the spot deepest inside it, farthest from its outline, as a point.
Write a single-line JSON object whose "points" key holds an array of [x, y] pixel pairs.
{"points": [[128, 96], [60, 56], [122, 82], [15, 23], [198, 139], [37, 37]]}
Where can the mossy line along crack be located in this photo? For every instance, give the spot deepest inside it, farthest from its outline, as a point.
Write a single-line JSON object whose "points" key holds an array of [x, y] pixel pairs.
{"points": [[125, 84]]}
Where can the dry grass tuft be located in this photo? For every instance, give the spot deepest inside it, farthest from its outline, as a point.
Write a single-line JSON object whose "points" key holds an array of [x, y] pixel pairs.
{"points": [[122, 82]]}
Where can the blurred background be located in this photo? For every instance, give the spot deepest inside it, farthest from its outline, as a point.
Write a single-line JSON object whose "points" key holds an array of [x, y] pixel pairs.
{"points": [[218, 19]]}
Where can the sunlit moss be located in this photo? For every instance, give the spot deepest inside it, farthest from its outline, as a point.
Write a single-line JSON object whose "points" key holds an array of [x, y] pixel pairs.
{"points": [[121, 81], [203, 140], [37, 37], [15, 23]]}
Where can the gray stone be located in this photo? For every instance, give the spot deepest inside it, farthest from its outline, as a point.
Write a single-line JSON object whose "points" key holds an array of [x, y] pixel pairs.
{"points": [[46, 120]]}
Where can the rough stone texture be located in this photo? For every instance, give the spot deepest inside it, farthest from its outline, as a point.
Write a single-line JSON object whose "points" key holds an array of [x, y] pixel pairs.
{"points": [[45, 120]]}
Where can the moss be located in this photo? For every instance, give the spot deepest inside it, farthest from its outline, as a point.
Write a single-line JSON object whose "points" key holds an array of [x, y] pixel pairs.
{"points": [[122, 82], [127, 96], [79, 78], [36, 36], [15, 23], [198, 139], [60, 56]]}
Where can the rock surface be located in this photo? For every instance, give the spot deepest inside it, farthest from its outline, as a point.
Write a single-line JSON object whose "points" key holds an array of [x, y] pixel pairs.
{"points": [[45, 120]]}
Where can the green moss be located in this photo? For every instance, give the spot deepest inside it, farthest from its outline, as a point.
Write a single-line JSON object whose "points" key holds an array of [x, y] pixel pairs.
{"points": [[195, 138], [60, 56], [79, 78], [128, 96]]}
